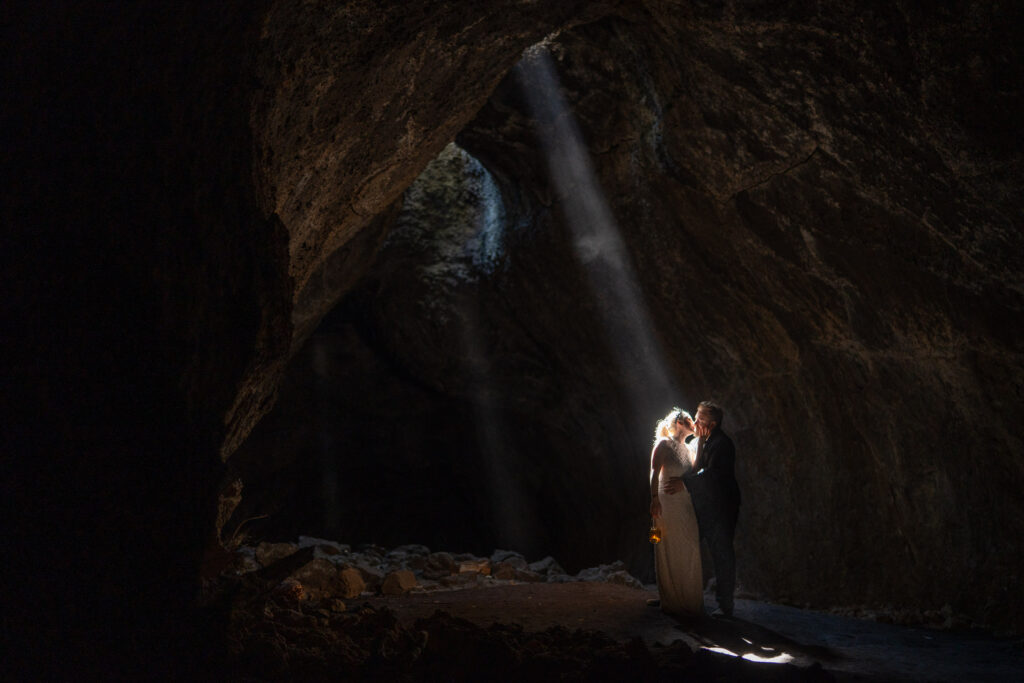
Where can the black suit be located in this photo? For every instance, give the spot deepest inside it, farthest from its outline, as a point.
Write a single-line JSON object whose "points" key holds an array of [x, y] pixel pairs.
{"points": [[716, 499]]}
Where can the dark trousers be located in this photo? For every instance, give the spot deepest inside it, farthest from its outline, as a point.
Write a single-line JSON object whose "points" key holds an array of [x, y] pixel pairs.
{"points": [[718, 529]]}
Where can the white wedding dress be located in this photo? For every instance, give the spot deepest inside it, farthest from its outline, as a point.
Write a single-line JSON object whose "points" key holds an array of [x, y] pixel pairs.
{"points": [[677, 557]]}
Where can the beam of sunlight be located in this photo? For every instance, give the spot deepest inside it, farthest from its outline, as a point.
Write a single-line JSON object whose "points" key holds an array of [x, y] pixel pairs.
{"points": [[596, 238], [466, 240], [516, 523], [482, 222], [516, 529]]}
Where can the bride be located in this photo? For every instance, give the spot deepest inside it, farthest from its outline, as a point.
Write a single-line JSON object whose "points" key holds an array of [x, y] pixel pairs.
{"points": [[677, 556]]}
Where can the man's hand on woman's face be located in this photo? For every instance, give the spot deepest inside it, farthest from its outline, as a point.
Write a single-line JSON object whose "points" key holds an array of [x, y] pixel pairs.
{"points": [[703, 425]]}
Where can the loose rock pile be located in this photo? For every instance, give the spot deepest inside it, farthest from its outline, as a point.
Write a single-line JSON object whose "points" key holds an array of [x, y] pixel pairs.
{"points": [[335, 570], [291, 612]]}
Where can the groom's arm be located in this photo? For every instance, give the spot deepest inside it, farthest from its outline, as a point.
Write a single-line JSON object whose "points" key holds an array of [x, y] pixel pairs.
{"points": [[721, 461]]}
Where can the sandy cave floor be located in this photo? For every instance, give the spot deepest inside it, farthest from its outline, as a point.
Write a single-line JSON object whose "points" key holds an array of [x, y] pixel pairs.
{"points": [[850, 649]]}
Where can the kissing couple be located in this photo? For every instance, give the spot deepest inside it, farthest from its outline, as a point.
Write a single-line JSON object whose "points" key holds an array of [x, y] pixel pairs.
{"points": [[694, 497]]}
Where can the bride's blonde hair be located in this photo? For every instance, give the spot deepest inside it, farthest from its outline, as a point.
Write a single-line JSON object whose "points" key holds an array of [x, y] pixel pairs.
{"points": [[667, 425]]}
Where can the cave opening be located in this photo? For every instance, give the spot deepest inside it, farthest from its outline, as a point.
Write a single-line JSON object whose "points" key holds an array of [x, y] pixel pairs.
{"points": [[492, 380], [434, 404], [737, 202], [392, 454], [408, 417], [197, 203]]}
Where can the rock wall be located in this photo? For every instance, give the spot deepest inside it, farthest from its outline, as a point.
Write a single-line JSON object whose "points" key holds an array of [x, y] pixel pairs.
{"points": [[804, 190], [827, 235], [162, 247], [188, 190]]}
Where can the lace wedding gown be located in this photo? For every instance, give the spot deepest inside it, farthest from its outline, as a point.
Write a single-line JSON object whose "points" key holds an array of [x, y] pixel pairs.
{"points": [[677, 557]]}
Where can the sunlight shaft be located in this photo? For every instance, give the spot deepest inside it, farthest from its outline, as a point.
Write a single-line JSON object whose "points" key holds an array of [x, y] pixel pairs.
{"points": [[596, 238]]}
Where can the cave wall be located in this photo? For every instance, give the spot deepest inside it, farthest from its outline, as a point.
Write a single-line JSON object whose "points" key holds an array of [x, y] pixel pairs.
{"points": [[161, 261], [439, 402], [329, 80], [140, 279], [823, 209], [179, 181], [833, 215]]}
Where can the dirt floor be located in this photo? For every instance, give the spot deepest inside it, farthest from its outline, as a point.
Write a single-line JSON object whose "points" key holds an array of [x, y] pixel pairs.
{"points": [[849, 649]]}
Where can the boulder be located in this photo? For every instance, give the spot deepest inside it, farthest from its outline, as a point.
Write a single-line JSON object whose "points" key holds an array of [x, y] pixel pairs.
{"points": [[439, 565], [527, 576], [410, 556], [269, 553], [546, 566], [398, 582], [372, 575], [351, 582], [372, 550], [319, 580], [624, 578], [504, 571], [475, 565], [611, 573], [290, 591], [509, 556]]}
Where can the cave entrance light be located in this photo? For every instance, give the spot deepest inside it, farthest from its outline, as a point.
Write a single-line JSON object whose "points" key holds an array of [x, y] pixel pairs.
{"points": [[596, 238], [491, 221], [467, 243]]}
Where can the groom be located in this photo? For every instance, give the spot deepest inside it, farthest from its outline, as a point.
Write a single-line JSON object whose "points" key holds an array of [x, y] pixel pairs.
{"points": [[716, 498]]}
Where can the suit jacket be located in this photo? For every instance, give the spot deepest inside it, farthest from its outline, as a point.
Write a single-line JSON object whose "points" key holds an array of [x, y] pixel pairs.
{"points": [[715, 490]]}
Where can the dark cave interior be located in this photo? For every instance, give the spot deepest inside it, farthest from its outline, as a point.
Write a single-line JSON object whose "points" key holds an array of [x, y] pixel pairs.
{"points": [[323, 247]]}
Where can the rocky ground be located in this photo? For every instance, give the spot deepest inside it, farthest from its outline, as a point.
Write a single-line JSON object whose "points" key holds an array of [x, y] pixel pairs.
{"points": [[319, 610]]}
